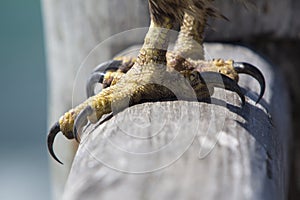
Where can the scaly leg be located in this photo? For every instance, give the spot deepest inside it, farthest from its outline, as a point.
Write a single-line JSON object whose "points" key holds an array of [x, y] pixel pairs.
{"points": [[188, 44], [188, 52]]}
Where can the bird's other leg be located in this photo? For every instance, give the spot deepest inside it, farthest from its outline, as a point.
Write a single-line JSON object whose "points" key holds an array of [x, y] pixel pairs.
{"points": [[188, 53], [189, 43]]}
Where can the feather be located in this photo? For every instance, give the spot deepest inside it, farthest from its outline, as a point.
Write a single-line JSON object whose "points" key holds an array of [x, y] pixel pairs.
{"points": [[175, 9]]}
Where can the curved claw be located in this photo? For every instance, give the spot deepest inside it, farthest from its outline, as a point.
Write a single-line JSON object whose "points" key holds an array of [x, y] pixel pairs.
{"points": [[98, 75], [246, 68], [80, 122], [221, 81], [108, 65], [55, 129]]}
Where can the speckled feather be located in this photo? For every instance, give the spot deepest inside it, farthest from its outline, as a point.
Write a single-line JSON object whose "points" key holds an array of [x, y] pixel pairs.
{"points": [[175, 9]]}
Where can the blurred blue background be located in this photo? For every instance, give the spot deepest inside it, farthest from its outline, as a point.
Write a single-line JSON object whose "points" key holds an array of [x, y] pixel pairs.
{"points": [[24, 172]]}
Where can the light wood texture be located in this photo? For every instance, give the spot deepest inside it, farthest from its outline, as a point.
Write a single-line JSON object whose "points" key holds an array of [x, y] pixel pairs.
{"points": [[263, 20], [72, 29]]}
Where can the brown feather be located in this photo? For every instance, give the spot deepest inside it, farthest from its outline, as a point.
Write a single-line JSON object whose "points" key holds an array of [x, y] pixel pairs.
{"points": [[175, 9]]}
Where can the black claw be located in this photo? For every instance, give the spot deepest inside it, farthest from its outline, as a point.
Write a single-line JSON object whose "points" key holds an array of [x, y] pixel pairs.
{"points": [[108, 65], [80, 122], [55, 129], [221, 81], [246, 68], [98, 75]]}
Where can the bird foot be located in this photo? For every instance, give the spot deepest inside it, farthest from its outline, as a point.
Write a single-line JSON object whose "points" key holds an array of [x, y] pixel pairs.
{"points": [[151, 82], [109, 76]]}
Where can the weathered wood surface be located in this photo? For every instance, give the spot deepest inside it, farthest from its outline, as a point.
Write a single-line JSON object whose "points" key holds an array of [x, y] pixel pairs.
{"points": [[72, 29], [264, 20], [197, 150]]}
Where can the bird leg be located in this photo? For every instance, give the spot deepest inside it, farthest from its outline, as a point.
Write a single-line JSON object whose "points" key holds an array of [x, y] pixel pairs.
{"points": [[149, 78], [150, 63], [188, 44]]}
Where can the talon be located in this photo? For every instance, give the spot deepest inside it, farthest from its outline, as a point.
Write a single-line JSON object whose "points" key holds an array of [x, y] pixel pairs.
{"points": [[55, 129], [108, 65], [98, 75], [80, 121], [246, 68], [214, 79]]}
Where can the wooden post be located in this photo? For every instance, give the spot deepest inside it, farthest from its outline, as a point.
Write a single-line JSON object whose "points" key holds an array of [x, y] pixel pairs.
{"points": [[190, 150], [72, 29], [260, 20]]}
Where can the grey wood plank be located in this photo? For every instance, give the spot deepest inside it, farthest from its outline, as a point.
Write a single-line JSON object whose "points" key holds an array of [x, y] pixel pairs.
{"points": [[72, 29]]}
